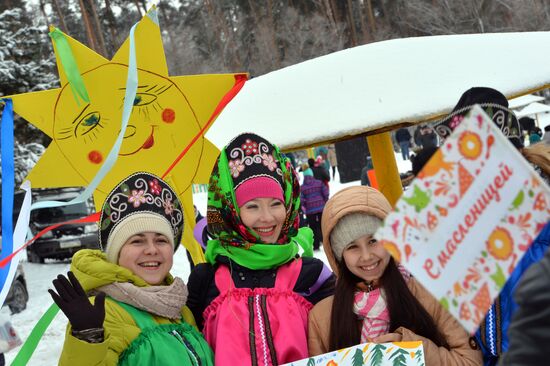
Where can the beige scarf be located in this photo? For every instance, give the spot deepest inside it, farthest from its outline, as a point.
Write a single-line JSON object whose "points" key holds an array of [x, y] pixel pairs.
{"points": [[165, 301]]}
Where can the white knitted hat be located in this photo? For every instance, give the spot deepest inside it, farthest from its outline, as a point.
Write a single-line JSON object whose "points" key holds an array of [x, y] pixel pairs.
{"points": [[351, 227]]}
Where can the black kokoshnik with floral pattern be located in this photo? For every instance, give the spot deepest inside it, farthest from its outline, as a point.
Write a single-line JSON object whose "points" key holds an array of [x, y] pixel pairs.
{"points": [[141, 192], [494, 103], [251, 156]]}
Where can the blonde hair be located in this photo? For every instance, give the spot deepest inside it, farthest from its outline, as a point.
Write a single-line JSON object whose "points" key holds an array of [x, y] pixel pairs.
{"points": [[538, 154]]}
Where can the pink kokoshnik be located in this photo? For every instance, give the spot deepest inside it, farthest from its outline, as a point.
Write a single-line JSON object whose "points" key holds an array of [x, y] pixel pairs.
{"points": [[261, 326]]}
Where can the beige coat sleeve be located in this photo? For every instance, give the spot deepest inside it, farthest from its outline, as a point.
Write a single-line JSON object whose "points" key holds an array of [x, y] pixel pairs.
{"points": [[319, 326], [463, 350]]}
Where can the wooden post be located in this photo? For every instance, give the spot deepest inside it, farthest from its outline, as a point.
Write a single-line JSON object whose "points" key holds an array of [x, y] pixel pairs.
{"points": [[385, 166]]}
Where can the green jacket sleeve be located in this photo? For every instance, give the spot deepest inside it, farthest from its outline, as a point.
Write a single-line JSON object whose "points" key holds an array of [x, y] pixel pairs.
{"points": [[77, 352]]}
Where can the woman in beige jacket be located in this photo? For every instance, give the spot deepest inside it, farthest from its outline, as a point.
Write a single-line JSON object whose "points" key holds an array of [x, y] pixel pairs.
{"points": [[377, 300]]}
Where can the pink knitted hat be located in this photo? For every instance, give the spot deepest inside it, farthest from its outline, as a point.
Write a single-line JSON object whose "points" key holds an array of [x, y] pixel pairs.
{"points": [[258, 187]]}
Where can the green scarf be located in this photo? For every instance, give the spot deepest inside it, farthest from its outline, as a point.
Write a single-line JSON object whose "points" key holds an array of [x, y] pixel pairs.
{"points": [[231, 238], [263, 256]]}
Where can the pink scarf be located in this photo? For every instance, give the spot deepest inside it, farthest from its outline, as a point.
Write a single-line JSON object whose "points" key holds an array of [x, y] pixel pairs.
{"points": [[371, 306]]}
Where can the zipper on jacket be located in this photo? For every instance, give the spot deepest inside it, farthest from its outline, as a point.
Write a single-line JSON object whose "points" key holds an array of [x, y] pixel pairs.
{"points": [[188, 347]]}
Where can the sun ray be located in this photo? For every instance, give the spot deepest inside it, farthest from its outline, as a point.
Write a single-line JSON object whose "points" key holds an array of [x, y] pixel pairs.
{"points": [[41, 113], [188, 240], [149, 50], [86, 58], [209, 155], [42, 175], [204, 92]]}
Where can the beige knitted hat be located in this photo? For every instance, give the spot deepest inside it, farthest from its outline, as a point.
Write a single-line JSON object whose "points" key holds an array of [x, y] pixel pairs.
{"points": [[136, 223], [351, 227]]}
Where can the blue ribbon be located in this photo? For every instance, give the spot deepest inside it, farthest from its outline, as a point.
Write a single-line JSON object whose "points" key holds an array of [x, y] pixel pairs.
{"points": [[8, 186]]}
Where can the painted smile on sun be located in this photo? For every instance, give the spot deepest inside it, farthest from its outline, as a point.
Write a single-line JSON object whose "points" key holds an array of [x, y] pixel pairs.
{"points": [[168, 112]]}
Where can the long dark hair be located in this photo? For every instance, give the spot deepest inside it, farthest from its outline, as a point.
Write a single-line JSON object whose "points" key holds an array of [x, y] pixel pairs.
{"points": [[404, 308]]}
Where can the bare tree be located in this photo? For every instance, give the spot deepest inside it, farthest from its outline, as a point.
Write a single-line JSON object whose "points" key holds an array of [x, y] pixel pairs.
{"points": [[89, 31], [62, 24], [98, 30]]}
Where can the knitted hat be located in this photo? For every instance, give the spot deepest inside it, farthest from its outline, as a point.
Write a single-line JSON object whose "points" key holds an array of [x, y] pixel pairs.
{"points": [[494, 103], [308, 172], [140, 203], [357, 199], [351, 227], [255, 171]]}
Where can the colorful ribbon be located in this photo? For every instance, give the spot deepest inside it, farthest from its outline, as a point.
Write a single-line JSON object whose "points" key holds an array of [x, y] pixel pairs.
{"points": [[88, 219], [70, 67], [8, 187], [228, 97], [26, 351], [18, 237]]}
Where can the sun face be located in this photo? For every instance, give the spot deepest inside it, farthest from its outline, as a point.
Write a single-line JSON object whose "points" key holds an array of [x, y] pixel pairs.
{"points": [[161, 124], [168, 113]]}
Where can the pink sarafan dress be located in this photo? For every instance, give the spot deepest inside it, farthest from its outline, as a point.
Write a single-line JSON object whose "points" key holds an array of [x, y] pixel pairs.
{"points": [[261, 326]]}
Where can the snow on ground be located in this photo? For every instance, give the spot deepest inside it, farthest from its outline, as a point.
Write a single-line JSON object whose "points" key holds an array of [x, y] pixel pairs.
{"points": [[39, 278]]}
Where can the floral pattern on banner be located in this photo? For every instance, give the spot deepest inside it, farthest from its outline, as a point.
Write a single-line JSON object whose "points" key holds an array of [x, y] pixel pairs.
{"points": [[468, 218], [370, 354]]}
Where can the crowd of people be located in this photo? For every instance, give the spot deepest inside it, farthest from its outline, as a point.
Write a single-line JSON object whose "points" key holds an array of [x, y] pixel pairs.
{"points": [[262, 298]]}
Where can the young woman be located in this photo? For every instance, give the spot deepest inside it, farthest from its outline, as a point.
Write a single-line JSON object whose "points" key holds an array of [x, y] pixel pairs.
{"points": [[377, 300], [138, 314], [253, 297]]}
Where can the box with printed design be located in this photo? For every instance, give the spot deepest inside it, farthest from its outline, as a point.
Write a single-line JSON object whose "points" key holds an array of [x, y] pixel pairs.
{"points": [[370, 354]]}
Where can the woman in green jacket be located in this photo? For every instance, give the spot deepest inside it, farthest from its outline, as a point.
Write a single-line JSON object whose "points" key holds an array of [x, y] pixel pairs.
{"points": [[123, 305]]}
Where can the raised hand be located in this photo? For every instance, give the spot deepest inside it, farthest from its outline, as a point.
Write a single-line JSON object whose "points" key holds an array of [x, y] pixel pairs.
{"points": [[73, 301]]}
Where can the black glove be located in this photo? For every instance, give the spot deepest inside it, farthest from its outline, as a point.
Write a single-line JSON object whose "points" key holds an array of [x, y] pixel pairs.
{"points": [[73, 301]]}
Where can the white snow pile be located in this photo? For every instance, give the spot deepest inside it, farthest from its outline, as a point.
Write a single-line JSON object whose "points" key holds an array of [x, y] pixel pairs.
{"points": [[365, 88]]}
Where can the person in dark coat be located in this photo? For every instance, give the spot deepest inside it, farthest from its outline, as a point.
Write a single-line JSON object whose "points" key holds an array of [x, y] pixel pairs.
{"points": [[403, 138], [546, 137], [427, 138], [319, 171], [529, 331]]}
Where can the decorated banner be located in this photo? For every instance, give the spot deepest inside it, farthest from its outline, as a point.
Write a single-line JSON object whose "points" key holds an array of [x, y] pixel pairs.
{"points": [[468, 218], [170, 114], [370, 354]]}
